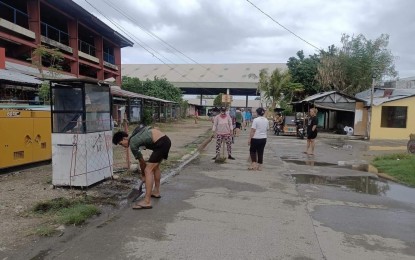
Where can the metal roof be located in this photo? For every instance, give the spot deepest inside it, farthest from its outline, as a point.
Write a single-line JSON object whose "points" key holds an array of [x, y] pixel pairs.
{"points": [[327, 93], [78, 80], [207, 79], [235, 103], [200, 73], [384, 95], [117, 91], [331, 100], [17, 77], [33, 71]]}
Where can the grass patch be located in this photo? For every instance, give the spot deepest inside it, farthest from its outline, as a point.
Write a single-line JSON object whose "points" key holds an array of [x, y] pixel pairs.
{"points": [[67, 211], [52, 205], [77, 214], [400, 166], [45, 231], [172, 161], [191, 147]]}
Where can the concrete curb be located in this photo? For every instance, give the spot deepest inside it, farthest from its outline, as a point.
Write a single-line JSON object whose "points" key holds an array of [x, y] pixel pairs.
{"points": [[189, 158]]}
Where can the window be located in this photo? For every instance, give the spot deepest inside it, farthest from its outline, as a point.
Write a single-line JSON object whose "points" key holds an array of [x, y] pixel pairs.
{"points": [[83, 109], [394, 117]]}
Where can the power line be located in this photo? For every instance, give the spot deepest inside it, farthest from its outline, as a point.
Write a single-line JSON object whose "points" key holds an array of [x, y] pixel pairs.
{"points": [[142, 45], [293, 33], [137, 41], [135, 22]]}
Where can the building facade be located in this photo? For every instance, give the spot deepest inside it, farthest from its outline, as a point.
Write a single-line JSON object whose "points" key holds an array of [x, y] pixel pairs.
{"points": [[89, 47], [393, 113]]}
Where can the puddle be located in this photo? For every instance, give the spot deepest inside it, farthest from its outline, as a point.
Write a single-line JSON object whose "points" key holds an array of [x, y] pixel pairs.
{"points": [[364, 184], [307, 162], [342, 146], [353, 165]]}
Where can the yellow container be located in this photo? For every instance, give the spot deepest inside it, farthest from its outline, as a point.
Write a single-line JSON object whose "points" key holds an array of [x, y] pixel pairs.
{"points": [[42, 138], [25, 137]]}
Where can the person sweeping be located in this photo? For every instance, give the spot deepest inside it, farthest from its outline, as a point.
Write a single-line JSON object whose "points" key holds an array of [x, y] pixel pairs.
{"points": [[155, 140]]}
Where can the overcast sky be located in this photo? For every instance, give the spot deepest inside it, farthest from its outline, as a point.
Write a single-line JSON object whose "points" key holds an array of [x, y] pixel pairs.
{"points": [[233, 31]]}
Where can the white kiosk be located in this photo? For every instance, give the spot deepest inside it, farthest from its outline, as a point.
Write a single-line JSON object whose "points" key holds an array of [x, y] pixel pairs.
{"points": [[81, 132]]}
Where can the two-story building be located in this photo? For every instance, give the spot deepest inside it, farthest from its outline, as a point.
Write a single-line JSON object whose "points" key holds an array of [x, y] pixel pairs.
{"points": [[90, 48]]}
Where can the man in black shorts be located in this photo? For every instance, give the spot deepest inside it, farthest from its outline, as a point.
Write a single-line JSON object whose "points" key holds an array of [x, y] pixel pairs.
{"points": [[311, 131], [153, 139]]}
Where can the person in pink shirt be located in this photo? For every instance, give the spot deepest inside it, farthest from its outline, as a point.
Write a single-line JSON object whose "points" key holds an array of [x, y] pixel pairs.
{"points": [[222, 128]]}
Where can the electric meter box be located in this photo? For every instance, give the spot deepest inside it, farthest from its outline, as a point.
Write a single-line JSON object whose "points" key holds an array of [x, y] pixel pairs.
{"points": [[81, 132]]}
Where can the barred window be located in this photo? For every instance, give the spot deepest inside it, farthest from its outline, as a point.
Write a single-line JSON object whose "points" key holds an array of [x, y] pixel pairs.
{"points": [[394, 117]]}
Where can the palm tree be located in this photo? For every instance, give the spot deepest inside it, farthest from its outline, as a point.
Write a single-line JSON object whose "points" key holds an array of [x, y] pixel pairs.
{"points": [[272, 86]]}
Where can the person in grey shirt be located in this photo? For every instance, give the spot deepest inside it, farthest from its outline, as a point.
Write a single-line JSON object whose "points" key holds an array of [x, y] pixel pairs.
{"points": [[155, 140]]}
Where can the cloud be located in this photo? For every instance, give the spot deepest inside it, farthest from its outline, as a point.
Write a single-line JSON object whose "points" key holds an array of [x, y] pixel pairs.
{"points": [[230, 31]]}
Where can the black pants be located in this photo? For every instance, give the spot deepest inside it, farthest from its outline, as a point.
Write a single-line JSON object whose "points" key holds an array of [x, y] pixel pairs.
{"points": [[257, 149]]}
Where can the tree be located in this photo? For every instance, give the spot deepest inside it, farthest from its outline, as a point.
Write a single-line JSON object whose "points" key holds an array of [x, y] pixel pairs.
{"points": [[159, 88], [43, 56], [352, 67], [217, 102], [303, 71], [50, 58], [272, 86], [293, 92]]}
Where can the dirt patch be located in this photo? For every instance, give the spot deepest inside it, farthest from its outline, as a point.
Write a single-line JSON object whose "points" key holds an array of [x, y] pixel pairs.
{"points": [[21, 190]]}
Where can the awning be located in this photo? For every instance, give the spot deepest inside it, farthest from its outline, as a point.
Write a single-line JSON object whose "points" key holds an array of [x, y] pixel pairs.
{"points": [[17, 77], [334, 108], [117, 91]]}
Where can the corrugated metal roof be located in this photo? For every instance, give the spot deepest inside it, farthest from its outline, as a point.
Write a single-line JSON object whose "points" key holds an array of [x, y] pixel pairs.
{"points": [[338, 97], [235, 103], [384, 95], [116, 90], [17, 77], [32, 71], [318, 95]]}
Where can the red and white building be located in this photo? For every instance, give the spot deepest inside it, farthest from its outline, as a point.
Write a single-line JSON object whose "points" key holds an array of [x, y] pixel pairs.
{"points": [[90, 47]]}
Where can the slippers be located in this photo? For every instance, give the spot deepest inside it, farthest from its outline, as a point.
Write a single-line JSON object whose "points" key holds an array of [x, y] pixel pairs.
{"points": [[155, 196], [142, 207]]}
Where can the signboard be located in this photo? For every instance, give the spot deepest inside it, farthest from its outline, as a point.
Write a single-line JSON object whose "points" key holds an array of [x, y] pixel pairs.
{"points": [[226, 98]]}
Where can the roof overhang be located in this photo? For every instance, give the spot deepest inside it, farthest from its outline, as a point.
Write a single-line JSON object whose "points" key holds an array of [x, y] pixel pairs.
{"points": [[331, 100], [117, 91], [216, 88], [14, 77]]}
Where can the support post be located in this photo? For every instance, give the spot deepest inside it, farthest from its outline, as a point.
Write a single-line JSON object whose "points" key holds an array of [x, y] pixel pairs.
{"points": [[372, 92]]}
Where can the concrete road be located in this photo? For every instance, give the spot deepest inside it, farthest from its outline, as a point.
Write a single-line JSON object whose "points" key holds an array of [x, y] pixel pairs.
{"points": [[223, 211], [376, 221]]}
